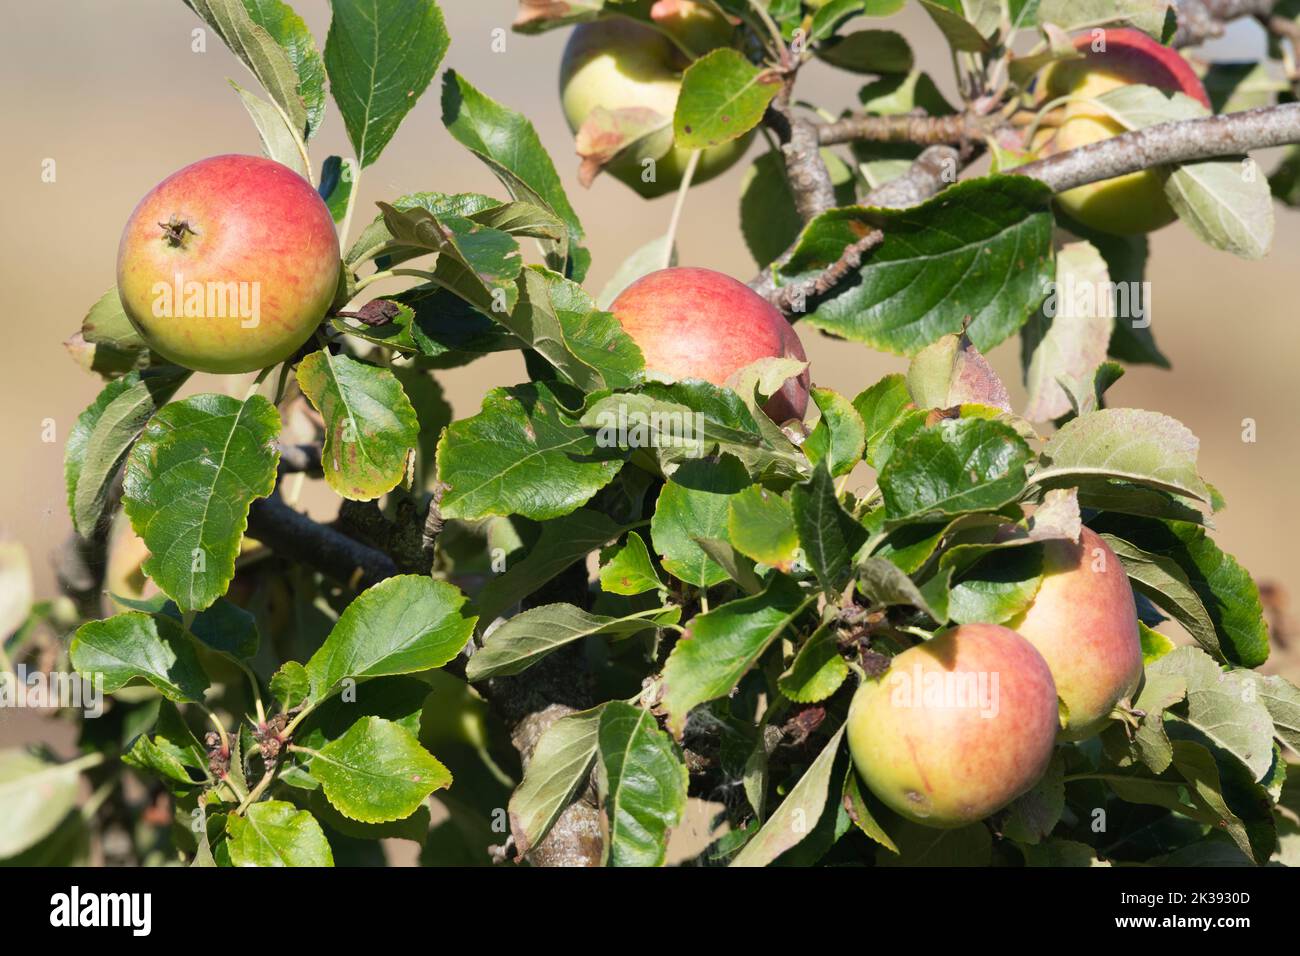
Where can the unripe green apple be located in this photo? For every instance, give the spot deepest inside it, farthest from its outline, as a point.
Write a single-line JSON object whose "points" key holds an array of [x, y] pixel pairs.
{"points": [[229, 264], [1084, 623], [1136, 202], [618, 64], [697, 323], [958, 727]]}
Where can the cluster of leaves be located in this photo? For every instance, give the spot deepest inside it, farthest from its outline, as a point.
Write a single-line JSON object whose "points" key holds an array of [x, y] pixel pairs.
{"points": [[741, 586]]}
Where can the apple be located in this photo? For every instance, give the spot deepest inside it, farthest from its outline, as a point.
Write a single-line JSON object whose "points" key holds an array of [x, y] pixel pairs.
{"points": [[632, 74], [697, 27], [697, 323], [1136, 202], [958, 727], [229, 264], [1084, 622]]}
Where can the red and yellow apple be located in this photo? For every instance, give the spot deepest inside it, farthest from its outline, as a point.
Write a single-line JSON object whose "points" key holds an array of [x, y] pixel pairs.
{"points": [[958, 727], [1084, 622], [628, 74], [1128, 204], [229, 264], [697, 323]]}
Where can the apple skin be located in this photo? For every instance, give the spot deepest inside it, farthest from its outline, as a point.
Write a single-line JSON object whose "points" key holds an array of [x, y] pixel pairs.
{"points": [[949, 766], [250, 221], [618, 63], [1134, 203], [693, 24], [1084, 623], [697, 323]]}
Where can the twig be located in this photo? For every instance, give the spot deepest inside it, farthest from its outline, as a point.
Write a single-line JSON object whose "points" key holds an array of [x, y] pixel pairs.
{"points": [[908, 128], [1183, 141], [1201, 20]]}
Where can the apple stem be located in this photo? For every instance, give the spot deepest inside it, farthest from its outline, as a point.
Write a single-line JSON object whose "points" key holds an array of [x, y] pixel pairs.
{"points": [[678, 206]]}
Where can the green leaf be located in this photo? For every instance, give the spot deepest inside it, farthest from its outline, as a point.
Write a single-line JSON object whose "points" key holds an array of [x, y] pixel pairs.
{"points": [[106, 324], [998, 588], [508, 144], [980, 252], [1225, 588], [885, 584], [760, 525], [1070, 15], [1068, 340], [133, 646], [380, 56], [839, 437], [723, 644], [920, 845], [868, 51], [35, 795], [828, 534], [279, 140], [882, 408], [630, 570], [859, 811], [527, 637], [290, 685], [371, 430], [377, 772], [1161, 579], [405, 624], [798, 813], [260, 52], [225, 628], [275, 833], [957, 25], [521, 454], [694, 504], [817, 671], [1125, 443], [586, 345], [172, 752], [1282, 700], [723, 97], [1223, 706], [103, 434], [477, 263], [956, 466], [642, 781], [559, 766], [188, 483], [563, 542], [289, 30], [952, 372]]}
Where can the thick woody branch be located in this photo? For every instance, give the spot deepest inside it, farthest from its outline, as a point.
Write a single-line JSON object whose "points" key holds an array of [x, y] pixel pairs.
{"points": [[291, 533], [1184, 141], [1201, 20], [810, 180]]}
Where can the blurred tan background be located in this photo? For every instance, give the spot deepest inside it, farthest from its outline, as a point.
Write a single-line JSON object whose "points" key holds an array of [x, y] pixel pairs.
{"points": [[114, 95]]}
